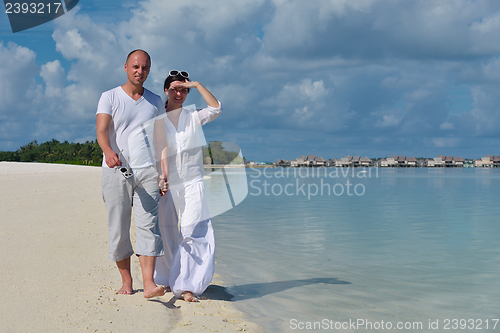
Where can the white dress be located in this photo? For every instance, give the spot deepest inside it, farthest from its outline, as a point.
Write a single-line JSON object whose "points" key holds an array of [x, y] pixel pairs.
{"points": [[188, 263]]}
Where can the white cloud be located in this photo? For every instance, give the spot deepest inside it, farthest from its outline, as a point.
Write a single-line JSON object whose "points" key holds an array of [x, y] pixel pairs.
{"points": [[484, 118], [306, 91], [447, 126], [445, 142], [18, 93], [18, 72], [296, 25], [388, 118], [487, 24], [491, 70], [54, 77], [96, 65]]}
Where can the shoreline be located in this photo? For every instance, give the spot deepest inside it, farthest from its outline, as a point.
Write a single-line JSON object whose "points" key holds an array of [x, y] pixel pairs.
{"points": [[57, 276]]}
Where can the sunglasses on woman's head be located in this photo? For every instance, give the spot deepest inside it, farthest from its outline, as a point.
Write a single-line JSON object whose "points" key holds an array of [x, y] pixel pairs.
{"points": [[174, 72]]}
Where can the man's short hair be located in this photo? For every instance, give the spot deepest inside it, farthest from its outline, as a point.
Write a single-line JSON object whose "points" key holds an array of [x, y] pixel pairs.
{"points": [[139, 50]]}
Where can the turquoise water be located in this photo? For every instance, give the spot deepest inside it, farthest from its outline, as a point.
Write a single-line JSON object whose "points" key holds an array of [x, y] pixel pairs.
{"points": [[418, 248]]}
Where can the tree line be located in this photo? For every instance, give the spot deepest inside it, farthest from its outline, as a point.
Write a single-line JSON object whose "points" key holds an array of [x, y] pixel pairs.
{"points": [[222, 153], [90, 153], [54, 151]]}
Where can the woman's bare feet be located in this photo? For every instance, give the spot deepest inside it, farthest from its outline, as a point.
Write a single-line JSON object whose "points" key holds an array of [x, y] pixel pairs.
{"points": [[189, 297]]}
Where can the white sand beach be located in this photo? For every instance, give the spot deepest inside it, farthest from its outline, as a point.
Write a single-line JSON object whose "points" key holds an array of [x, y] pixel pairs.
{"points": [[55, 273]]}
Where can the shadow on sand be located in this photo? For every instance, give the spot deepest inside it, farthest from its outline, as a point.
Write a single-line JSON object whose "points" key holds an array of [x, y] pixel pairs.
{"points": [[256, 290]]}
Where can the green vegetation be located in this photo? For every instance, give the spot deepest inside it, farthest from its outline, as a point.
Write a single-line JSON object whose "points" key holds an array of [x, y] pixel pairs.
{"points": [[88, 153], [224, 153]]}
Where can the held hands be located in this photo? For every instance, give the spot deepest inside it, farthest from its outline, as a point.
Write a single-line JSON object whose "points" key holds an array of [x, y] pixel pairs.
{"points": [[163, 184]]}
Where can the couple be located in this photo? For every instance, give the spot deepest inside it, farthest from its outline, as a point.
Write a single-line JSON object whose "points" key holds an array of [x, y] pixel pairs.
{"points": [[161, 194]]}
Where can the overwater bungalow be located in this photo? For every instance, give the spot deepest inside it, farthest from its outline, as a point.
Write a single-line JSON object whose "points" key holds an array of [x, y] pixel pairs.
{"points": [[458, 162], [355, 161], [282, 163], [389, 162], [301, 161], [310, 160], [366, 162], [319, 161], [496, 161], [411, 162], [438, 161], [330, 163], [488, 162], [401, 161]]}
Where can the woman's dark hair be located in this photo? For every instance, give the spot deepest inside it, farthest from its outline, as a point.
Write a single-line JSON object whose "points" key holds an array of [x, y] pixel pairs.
{"points": [[171, 79]]}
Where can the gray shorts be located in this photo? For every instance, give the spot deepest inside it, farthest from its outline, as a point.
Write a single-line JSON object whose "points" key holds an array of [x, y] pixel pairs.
{"points": [[120, 195]]}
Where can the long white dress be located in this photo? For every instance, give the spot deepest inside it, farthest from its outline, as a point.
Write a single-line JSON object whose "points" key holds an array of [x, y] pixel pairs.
{"points": [[188, 263]]}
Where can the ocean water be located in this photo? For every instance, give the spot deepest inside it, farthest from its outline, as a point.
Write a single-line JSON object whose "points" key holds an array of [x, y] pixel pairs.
{"points": [[372, 250]]}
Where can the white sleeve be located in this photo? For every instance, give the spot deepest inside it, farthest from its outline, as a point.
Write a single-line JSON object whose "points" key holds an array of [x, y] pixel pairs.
{"points": [[208, 114], [104, 105]]}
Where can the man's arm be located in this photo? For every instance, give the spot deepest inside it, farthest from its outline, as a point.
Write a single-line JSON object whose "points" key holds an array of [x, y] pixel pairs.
{"points": [[102, 129]]}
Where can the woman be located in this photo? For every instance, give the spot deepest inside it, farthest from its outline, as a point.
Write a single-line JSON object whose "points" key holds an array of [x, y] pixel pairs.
{"points": [[188, 264]]}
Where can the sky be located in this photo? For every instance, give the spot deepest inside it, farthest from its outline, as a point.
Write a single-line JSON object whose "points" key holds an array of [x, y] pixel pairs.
{"points": [[324, 77]]}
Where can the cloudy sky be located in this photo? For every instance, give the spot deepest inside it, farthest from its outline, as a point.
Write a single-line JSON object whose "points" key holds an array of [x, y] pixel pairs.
{"points": [[324, 77]]}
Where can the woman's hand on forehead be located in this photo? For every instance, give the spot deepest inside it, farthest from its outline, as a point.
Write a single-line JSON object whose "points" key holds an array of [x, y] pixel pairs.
{"points": [[178, 83], [185, 84]]}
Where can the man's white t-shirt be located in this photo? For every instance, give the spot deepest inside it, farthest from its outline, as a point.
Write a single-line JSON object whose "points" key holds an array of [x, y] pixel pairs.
{"points": [[126, 115]]}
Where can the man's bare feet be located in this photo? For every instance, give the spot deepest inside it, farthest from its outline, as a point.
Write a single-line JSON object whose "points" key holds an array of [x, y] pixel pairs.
{"points": [[189, 297], [158, 291], [126, 289], [124, 269]]}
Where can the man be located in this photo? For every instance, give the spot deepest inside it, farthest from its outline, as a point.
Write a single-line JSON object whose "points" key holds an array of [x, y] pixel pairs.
{"points": [[119, 112]]}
